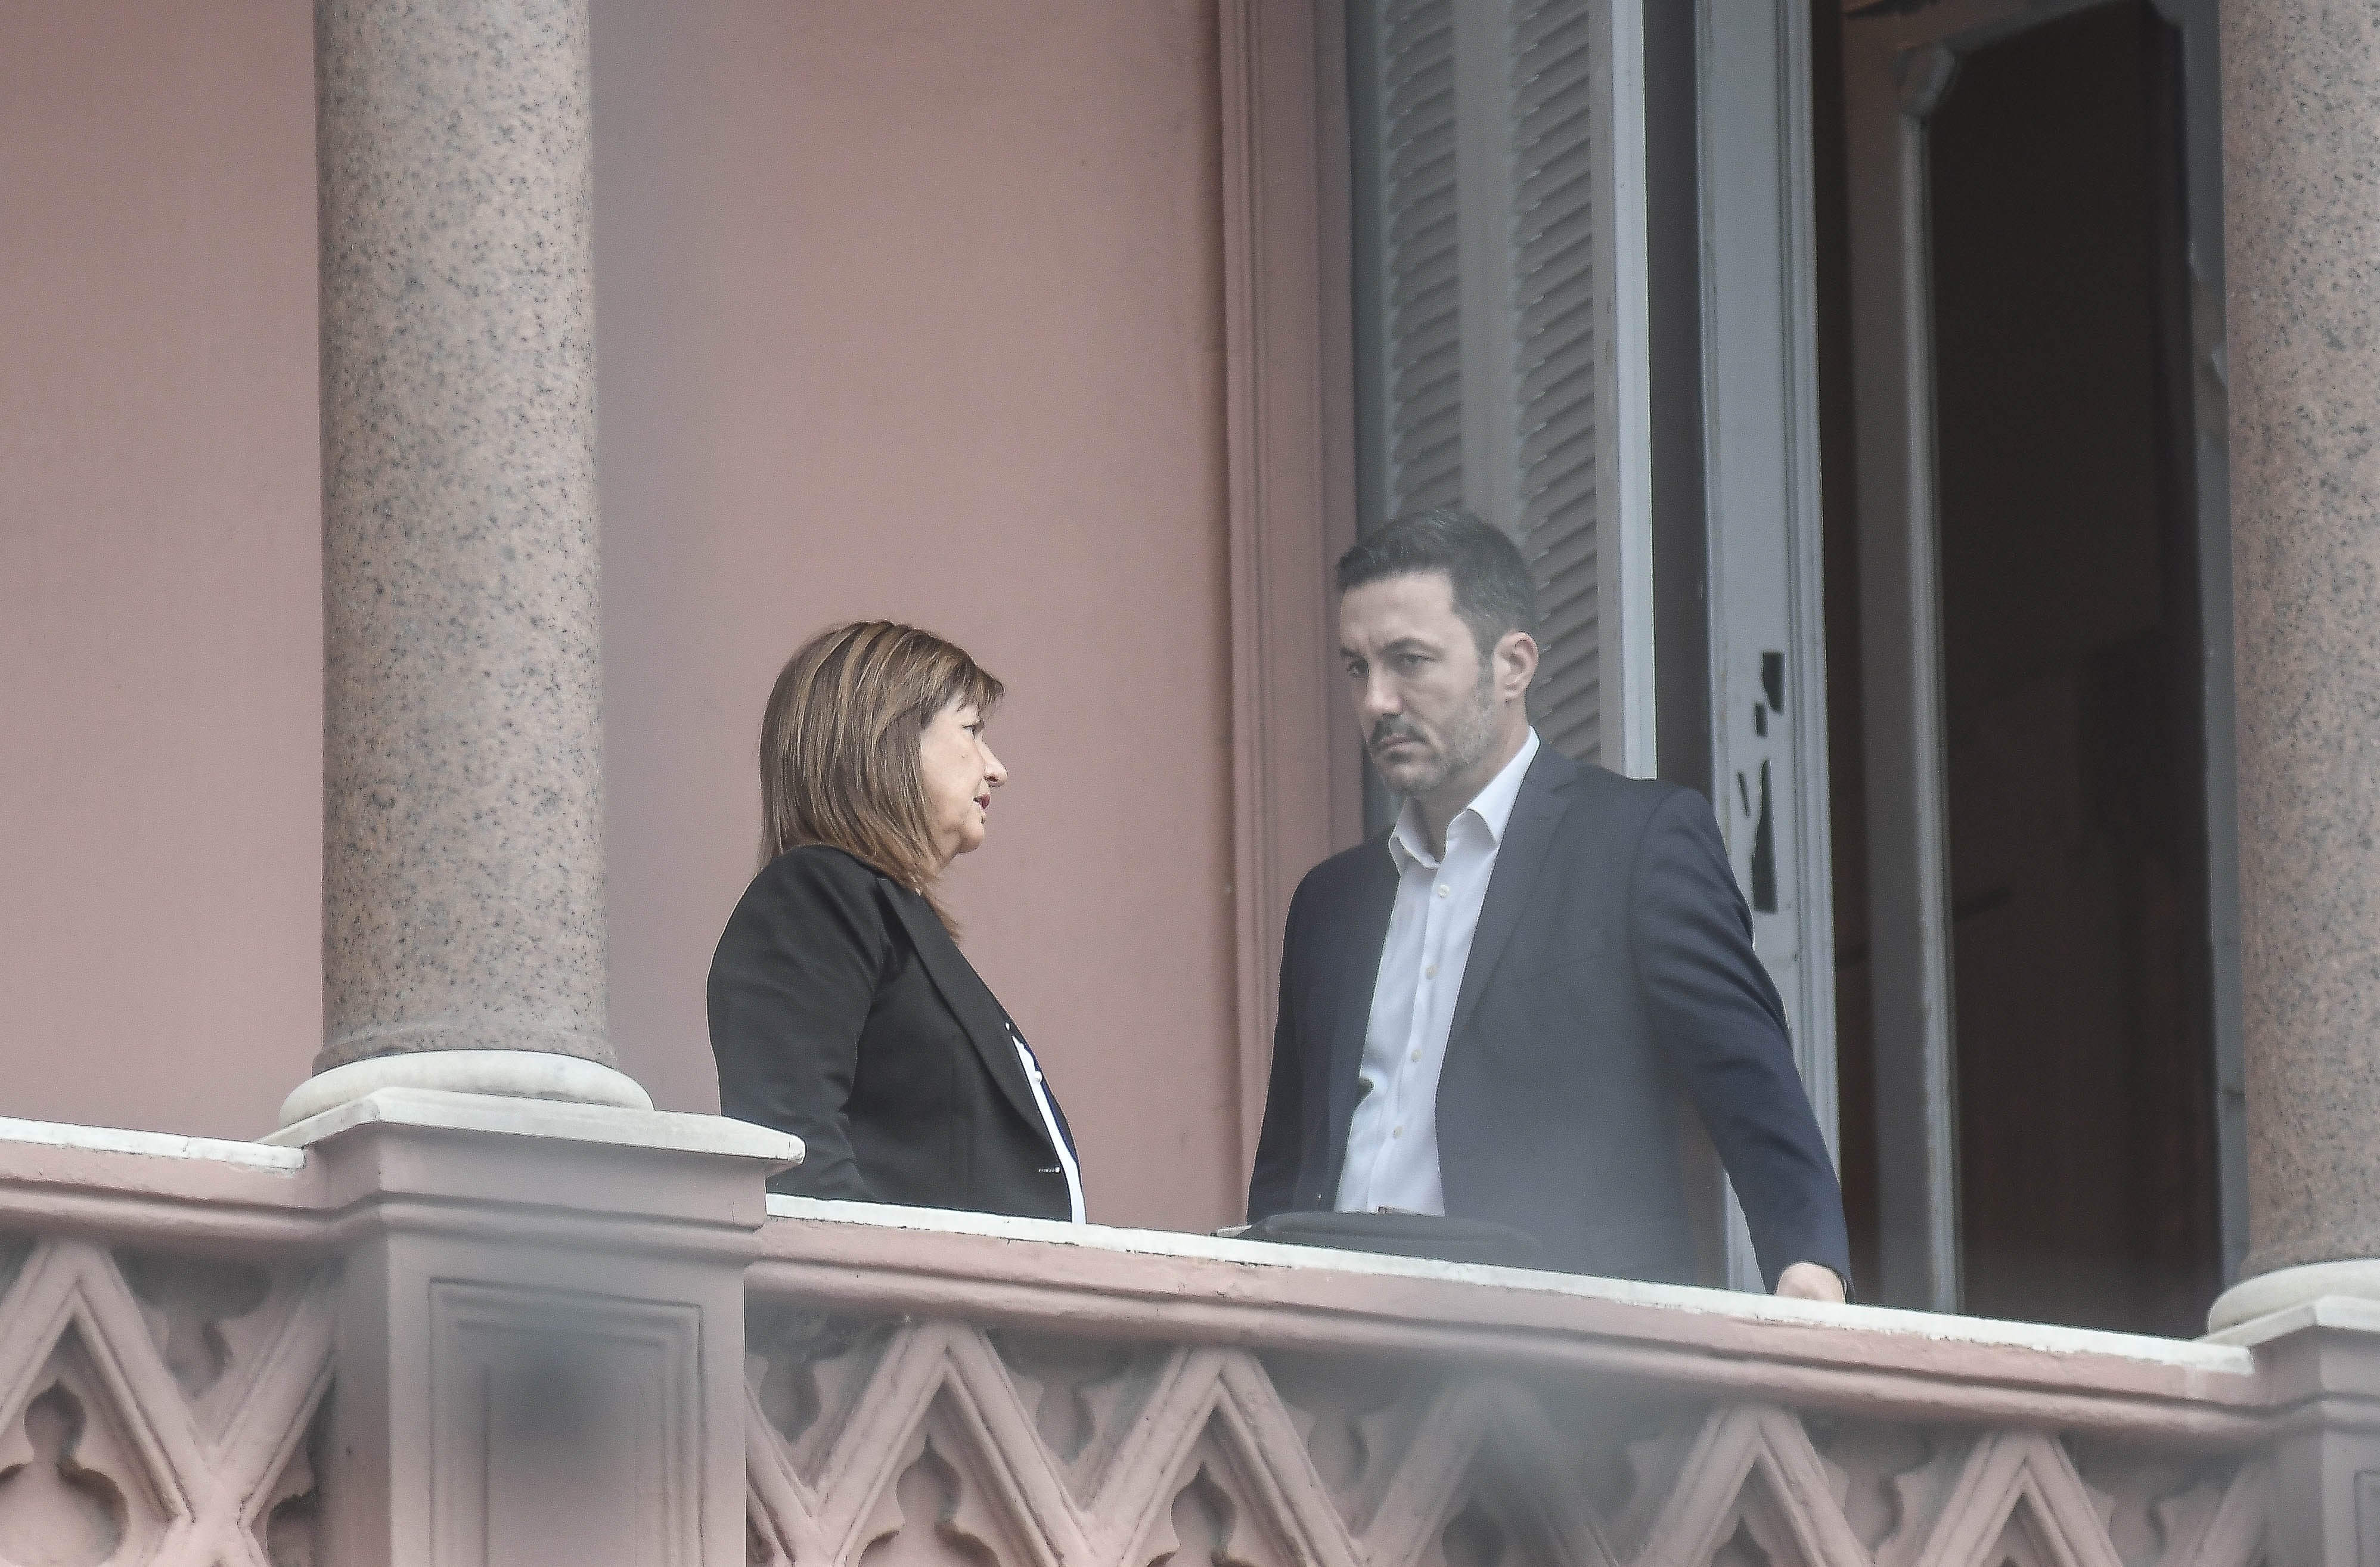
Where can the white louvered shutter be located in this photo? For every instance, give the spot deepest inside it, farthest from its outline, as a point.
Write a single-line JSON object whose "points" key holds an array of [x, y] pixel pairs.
{"points": [[1508, 324]]}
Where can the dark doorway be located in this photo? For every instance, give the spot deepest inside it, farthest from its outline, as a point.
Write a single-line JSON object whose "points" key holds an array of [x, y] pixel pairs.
{"points": [[2070, 625], [2087, 1166]]}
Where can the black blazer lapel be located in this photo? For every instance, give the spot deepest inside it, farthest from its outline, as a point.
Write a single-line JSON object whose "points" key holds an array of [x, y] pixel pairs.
{"points": [[971, 1002], [1528, 832], [1364, 931]]}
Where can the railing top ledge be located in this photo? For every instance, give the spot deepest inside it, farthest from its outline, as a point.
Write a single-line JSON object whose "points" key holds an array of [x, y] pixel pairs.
{"points": [[202, 1195], [207, 1196], [37, 1135], [1137, 1284]]}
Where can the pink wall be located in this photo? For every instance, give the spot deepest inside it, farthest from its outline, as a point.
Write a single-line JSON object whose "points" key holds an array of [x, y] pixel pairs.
{"points": [[160, 544], [914, 309], [911, 308]]}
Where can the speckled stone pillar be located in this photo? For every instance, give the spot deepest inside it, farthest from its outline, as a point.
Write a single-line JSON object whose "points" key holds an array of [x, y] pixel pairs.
{"points": [[2301, 179], [463, 869]]}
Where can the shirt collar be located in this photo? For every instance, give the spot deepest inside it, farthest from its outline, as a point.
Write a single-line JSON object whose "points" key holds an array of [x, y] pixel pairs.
{"points": [[1492, 806]]}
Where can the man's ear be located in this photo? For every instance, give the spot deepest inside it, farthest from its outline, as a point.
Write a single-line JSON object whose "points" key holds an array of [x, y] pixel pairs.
{"points": [[1516, 661]]}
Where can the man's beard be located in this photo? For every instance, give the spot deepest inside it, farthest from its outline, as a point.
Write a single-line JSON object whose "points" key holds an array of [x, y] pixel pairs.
{"points": [[1470, 735]]}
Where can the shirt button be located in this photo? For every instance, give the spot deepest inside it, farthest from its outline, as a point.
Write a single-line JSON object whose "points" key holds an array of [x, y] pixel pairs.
{"points": [[1441, 890], [1431, 973], [1398, 1132], [1417, 1055]]}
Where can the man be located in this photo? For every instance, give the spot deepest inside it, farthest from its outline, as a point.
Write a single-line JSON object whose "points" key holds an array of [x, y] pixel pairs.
{"points": [[1489, 1014]]}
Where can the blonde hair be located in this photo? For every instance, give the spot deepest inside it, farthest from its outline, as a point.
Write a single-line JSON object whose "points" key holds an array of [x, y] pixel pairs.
{"points": [[840, 745]]}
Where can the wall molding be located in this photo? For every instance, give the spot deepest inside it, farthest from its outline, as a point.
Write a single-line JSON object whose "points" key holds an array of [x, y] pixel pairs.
{"points": [[1289, 438]]}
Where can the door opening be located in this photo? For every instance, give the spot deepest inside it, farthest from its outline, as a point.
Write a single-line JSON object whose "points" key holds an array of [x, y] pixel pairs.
{"points": [[2039, 216]]}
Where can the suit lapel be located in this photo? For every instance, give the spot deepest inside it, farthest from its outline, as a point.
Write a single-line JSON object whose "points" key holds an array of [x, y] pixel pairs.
{"points": [[971, 1002], [1351, 998], [1529, 833]]}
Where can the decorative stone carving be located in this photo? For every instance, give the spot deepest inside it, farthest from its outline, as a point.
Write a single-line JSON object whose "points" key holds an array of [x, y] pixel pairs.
{"points": [[149, 1424], [806, 1370], [1751, 1470], [55, 1506], [937, 1442], [1485, 1463], [1880, 1464], [1354, 1417], [938, 1383], [2175, 1511], [1211, 1525], [290, 1518], [1082, 1394], [936, 1519], [188, 1304]]}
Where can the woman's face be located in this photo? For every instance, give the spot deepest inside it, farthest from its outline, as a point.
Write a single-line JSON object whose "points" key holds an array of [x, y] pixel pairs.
{"points": [[960, 774]]}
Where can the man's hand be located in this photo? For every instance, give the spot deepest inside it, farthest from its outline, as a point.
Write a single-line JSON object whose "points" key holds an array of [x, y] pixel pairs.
{"points": [[1810, 1280]]}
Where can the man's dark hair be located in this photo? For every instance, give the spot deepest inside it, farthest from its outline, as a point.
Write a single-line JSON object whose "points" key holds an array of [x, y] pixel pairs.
{"points": [[1493, 591]]}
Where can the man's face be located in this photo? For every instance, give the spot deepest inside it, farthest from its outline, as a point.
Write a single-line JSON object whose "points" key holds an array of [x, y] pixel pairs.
{"points": [[1426, 700]]}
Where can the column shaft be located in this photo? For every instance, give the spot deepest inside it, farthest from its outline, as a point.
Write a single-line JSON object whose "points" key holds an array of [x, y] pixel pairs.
{"points": [[2301, 132], [463, 854]]}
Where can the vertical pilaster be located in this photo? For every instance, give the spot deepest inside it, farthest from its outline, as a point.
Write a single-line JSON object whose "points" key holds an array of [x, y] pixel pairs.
{"points": [[541, 1338]]}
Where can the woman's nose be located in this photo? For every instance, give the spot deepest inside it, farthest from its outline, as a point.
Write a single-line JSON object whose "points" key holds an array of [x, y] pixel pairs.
{"points": [[993, 773]]}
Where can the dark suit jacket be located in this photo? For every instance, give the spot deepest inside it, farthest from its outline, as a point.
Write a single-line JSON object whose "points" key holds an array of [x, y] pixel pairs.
{"points": [[1613, 968], [842, 1011]]}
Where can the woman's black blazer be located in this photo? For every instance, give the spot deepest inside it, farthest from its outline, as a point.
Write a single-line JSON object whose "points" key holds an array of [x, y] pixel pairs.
{"points": [[842, 1011]]}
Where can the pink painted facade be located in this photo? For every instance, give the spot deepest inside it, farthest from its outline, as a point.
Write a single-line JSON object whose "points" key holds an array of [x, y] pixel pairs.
{"points": [[161, 641], [905, 311]]}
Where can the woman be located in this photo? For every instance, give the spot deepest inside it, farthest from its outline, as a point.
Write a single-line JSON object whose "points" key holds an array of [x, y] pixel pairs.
{"points": [[841, 1009]]}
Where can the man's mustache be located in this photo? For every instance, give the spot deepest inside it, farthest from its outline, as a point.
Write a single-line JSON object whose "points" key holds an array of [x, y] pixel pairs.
{"points": [[1389, 729]]}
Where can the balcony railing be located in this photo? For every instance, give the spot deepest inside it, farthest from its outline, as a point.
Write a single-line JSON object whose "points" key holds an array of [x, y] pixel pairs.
{"points": [[207, 1354]]}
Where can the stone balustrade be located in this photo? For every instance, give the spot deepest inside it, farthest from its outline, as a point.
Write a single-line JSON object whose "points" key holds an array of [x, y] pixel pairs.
{"points": [[166, 1346], [435, 1334], [950, 1387]]}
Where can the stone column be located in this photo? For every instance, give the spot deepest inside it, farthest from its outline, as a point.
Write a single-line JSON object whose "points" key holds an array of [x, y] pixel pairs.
{"points": [[2301, 175], [2302, 222], [463, 848], [2302, 258]]}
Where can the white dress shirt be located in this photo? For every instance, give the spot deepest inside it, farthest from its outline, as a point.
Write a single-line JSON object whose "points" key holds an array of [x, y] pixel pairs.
{"points": [[1393, 1141], [1049, 1123]]}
